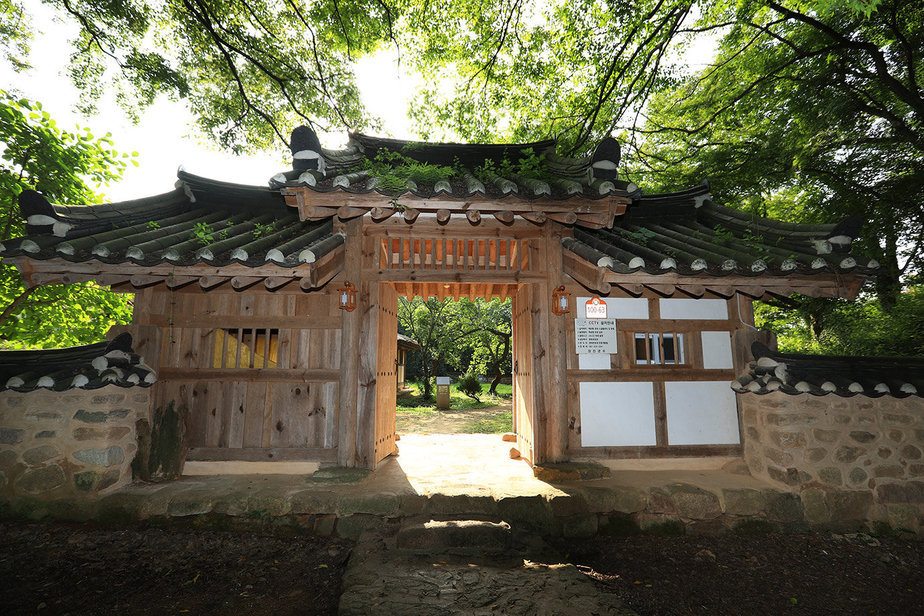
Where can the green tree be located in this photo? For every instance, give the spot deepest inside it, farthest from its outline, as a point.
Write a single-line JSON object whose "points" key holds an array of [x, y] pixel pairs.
{"points": [[455, 332], [38, 155]]}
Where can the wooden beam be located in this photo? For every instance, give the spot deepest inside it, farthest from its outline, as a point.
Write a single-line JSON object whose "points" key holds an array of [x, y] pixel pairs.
{"points": [[665, 290], [474, 216], [239, 283], [346, 212], [175, 282], [505, 216], [140, 282], [411, 214], [565, 218], [443, 216], [276, 282], [210, 282], [538, 218], [379, 214]]}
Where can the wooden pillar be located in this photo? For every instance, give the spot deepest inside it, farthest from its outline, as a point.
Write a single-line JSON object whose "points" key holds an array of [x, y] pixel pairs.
{"points": [[365, 386], [555, 380], [350, 349], [539, 323]]}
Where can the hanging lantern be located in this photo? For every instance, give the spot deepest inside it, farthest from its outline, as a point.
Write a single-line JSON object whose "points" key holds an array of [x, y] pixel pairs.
{"points": [[561, 301], [347, 295]]}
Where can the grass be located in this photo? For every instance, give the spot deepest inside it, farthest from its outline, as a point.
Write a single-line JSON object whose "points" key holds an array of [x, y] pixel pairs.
{"points": [[415, 404], [414, 412]]}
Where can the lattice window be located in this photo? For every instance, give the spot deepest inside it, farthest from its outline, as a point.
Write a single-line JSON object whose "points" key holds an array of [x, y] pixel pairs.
{"points": [[485, 254], [246, 348], [659, 348]]}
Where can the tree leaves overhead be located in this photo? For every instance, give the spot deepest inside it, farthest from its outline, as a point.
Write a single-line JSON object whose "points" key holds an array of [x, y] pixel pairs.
{"points": [[37, 154], [250, 69]]}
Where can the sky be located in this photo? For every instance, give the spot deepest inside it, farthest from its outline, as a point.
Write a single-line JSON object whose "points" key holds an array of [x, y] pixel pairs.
{"points": [[162, 136]]}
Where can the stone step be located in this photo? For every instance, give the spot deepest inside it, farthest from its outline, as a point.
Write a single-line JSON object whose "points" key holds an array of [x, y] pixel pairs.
{"points": [[454, 537]]}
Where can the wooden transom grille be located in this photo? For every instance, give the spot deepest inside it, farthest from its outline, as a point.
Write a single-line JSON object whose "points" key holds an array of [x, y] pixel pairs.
{"points": [[485, 254]]}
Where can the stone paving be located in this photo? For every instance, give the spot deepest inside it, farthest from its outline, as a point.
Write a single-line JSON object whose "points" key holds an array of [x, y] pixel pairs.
{"points": [[465, 568]]}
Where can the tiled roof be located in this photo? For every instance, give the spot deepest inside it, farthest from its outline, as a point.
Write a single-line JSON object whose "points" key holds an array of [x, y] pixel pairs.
{"points": [[820, 375], [686, 232], [200, 222], [324, 171], [85, 367]]}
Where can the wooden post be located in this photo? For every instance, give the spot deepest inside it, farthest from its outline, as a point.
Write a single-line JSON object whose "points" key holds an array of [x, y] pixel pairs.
{"points": [[555, 380], [350, 349], [368, 306]]}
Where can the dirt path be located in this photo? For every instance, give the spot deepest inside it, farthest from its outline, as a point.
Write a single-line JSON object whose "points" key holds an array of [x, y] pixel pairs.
{"points": [[453, 421]]}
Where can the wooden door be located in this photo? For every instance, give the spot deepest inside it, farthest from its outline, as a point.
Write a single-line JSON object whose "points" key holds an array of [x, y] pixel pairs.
{"points": [[386, 371], [523, 411]]}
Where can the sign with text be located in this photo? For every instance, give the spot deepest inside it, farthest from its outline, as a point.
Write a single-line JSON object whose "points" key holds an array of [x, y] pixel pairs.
{"points": [[595, 308], [595, 335]]}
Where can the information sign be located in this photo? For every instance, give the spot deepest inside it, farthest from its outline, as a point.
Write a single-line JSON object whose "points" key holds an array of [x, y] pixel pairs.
{"points": [[595, 335]]}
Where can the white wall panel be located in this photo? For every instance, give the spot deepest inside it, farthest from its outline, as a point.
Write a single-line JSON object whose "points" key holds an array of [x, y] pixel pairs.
{"points": [[618, 307], [594, 361], [694, 309], [717, 351], [617, 414], [701, 413]]}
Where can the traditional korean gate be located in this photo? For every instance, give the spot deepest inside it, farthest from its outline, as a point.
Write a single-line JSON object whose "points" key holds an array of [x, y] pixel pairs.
{"points": [[386, 367], [523, 412]]}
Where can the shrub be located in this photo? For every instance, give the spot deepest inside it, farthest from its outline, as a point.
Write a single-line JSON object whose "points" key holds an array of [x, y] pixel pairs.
{"points": [[470, 386]]}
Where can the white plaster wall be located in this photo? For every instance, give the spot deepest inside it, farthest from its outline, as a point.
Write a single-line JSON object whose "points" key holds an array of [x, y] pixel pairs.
{"points": [[694, 309], [717, 351], [617, 414], [616, 308], [701, 413]]}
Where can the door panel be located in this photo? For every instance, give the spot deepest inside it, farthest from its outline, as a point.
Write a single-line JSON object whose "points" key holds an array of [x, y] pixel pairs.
{"points": [[385, 373], [523, 411]]}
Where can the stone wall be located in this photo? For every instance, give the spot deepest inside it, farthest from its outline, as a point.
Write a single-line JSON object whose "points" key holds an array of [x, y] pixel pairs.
{"points": [[848, 458], [71, 443]]}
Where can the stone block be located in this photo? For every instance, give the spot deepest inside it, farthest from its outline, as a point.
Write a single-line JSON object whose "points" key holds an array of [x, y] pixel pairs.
{"points": [[568, 505], [85, 481], [861, 436], [783, 507], [889, 470], [857, 475], [313, 501], [118, 414], [884, 453], [695, 503], [460, 536], [579, 526], [915, 470], [831, 475], [8, 459], [46, 434], [90, 417], [40, 454], [896, 435], [826, 436], [778, 456], [41, 480], [910, 452], [110, 478], [815, 454], [351, 526], [101, 457], [743, 501], [411, 504], [788, 440], [41, 416], [100, 434], [618, 525], [847, 454], [382, 504], [461, 504], [12, 401], [905, 517], [892, 418], [533, 511], [107, 399], [790, 419], [849, 505], [11, 436], [905, 492], [789, 476], [842, 419], [660, 502], [815, 509]]}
